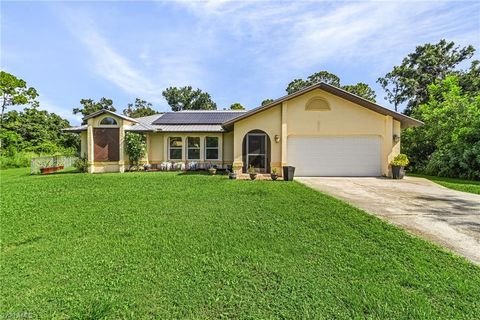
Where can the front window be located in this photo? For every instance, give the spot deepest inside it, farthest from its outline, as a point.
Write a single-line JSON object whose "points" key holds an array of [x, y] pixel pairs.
{"points": [[211, 148], [193, 148], [175, 148]]}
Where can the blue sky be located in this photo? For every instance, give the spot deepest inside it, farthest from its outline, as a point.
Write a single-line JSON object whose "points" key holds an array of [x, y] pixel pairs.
{"points": [[237, 51]]}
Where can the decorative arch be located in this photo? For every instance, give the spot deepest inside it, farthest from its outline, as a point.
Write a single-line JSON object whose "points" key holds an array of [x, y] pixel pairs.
{"points": [[317, 104], [256, 151], [108, 121]]}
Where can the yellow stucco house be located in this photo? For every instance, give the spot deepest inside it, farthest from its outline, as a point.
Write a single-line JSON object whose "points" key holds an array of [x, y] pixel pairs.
{"points": [[321, 130]]}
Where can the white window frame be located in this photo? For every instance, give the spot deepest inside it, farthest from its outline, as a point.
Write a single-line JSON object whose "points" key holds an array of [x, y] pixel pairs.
{"points": [[199, 148], [175, 148], [217, 147], [257, 154]]}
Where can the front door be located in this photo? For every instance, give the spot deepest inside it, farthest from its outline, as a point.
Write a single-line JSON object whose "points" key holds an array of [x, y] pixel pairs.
{"points": [[257, 151]]}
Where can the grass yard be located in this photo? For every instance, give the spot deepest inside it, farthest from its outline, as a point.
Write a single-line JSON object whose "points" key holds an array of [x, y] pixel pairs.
{"points": [[455, 184], [166, 245]]}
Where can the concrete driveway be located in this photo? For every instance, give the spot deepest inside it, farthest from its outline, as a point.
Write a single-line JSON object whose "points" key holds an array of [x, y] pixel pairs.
{"points": [[447, 217]]}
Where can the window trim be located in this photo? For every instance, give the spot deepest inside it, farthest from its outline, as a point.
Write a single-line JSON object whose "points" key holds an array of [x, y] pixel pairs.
{"points": [[174, 148], [194, 148], [217, 148]]}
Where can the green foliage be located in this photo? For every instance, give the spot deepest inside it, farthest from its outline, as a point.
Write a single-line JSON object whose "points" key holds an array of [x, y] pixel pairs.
{"points": [[237, 106], [428, 64], [400, 160], [251, 169], [135, 148], [17, 160], [14, 91], [140, 242], [267, 101], [449, 142], [81, 164], [141, 108], [360, 89], [185, 98], [90, 106], [38, 131]]}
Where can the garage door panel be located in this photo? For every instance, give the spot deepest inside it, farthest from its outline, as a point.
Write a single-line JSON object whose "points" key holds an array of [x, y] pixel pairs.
{"points": [[335, 156]]}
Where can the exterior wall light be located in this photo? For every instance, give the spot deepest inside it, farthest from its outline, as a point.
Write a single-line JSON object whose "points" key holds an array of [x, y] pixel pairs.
{"points": [[277, 138], [396, 138]]}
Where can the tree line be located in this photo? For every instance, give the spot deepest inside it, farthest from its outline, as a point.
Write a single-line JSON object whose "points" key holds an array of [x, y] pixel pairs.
{"points": [[427, 83]]}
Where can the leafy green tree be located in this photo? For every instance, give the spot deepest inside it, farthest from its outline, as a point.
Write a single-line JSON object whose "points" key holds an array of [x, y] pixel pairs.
{"points": [[469, 80], [135, 147], [324, 76], [14, 91], [297, 85], [449, 142], [36, 131], [428, 64], [186, 98], [90, 106], [321, 76], [361, 89], [237, 106], [140, 108], [267, 101]]}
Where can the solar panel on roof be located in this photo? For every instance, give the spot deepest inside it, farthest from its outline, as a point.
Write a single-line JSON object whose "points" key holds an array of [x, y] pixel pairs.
{"points": [[210, 117]]}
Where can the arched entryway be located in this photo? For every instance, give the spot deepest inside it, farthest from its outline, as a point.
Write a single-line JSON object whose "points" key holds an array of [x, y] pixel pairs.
{"points": [[256, 149]]}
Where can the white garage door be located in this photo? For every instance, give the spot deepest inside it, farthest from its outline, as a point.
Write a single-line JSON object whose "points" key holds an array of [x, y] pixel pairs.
{"points": [[335, 156]]}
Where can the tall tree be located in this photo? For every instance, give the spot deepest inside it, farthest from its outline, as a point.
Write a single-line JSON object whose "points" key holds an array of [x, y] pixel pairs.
{"points": [[36, 130], [14, 91], [361, 89], [428, 64], [186, 98], [90, 106], [237, 106], [140, 108], [267, 101], [449, 142]]}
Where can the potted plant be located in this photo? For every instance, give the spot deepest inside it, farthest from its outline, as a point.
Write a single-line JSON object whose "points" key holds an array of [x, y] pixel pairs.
{"points": [[232, 175], [252, 172], [212, 170], [398, 164], [274, 174]]}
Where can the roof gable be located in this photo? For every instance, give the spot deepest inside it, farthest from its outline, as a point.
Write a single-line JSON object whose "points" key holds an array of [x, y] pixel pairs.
{"points": [[404, 120], [102, 111]]}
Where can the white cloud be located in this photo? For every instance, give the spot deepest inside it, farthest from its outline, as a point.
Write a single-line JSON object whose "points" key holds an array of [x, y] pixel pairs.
{"points": [[305, 34], [147, 75]]}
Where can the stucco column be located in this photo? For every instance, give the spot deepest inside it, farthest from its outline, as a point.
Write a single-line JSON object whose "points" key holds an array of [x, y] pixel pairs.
{"points": [[237, 150], [387, 146], [122, 157], [90, 146], [284, 134]]}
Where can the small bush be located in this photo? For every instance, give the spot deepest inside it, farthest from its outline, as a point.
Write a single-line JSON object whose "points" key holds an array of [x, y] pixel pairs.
{"points": [[81, 164], [17, 160]]}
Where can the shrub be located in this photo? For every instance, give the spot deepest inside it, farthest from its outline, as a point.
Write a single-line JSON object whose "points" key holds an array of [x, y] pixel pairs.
{"points": [[17, 160], [400, 160], [81, 164], [135, 147]]}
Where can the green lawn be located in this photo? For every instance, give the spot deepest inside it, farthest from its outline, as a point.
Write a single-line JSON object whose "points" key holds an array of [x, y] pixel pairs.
{"points": [[166, 245], [455, 184]]}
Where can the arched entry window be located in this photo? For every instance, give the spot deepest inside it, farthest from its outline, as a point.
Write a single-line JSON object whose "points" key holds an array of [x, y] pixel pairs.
{"points": [[256, 151], [108, 121]]}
